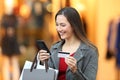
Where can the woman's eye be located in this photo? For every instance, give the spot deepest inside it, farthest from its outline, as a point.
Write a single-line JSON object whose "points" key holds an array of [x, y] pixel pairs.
{"points": [[63, 25], [56, 24]]}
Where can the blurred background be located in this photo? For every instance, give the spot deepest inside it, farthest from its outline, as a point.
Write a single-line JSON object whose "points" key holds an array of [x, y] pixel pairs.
{"points": [[33, 20]]}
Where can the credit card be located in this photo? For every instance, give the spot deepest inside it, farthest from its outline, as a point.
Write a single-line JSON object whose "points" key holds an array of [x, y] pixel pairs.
{"points": [[63, 54]]}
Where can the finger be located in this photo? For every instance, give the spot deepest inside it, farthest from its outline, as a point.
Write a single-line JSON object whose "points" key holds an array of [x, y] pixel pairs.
{"points": [[71, 58], [43, 58], [71, 66], [42, 51], [44, 54], [70, 61]]}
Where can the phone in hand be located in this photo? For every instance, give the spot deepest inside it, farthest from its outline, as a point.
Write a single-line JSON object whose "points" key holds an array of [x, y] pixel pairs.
{"points": [[41, 45]]}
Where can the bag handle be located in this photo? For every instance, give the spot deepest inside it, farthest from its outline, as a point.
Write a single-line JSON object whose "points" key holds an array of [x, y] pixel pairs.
{"points": [[34, 64], [35, 61]]}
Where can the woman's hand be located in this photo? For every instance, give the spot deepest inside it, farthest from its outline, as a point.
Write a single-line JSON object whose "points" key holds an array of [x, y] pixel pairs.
{"points": [[72, 63], [43, 55]]}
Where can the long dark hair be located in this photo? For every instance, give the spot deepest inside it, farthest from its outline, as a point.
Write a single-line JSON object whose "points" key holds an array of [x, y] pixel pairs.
{"points": [[74, 19]]}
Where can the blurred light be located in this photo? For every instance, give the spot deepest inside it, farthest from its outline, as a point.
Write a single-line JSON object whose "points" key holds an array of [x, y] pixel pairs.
{"points": [[15, 3], [9, 3], [78, 5], [9, 6], [24, 11], [49, 7]]}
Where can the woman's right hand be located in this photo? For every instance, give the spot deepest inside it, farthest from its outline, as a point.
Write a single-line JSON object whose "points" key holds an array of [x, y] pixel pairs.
{"points": [[43, 55]]}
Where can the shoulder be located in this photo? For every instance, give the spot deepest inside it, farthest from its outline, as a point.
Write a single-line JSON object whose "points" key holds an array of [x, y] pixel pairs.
{"points": [[56, 44], [90, 49], [93, 51], [55, 47]]}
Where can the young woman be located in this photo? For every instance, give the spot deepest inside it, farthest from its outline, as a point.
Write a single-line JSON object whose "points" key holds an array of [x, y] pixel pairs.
{"points": [[10, 48], [82, 63]]}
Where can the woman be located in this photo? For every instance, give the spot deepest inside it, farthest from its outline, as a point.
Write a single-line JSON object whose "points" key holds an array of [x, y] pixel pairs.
{"points": [[82, 63], [10, 48]]}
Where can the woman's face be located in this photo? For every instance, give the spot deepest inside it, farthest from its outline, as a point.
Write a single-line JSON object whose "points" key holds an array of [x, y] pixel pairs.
{"points": [[63, 27]]}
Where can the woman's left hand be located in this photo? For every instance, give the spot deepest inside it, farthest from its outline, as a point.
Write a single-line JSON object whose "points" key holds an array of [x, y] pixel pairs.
{"points": [[72, 63]]}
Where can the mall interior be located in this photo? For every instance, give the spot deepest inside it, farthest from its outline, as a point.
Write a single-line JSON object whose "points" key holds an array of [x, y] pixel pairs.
{"points": [[35, 21]]}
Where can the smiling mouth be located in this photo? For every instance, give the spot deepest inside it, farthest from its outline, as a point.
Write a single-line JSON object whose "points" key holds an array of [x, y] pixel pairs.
{"points": [[61, 34]]}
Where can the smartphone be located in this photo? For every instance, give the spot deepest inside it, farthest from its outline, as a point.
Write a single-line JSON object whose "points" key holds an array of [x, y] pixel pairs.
{"points": [[41, 45]]}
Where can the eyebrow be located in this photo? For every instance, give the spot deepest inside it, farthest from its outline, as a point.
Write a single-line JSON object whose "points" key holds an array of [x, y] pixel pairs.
{"points": [[60, 23]]}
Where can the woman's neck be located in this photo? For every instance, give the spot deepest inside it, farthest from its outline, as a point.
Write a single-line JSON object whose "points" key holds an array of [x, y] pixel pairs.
{"points": [[71, 41], [71, 45]]}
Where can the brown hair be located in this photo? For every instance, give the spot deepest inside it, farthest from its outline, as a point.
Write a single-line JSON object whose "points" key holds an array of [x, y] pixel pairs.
{"points": [[74, 19]]}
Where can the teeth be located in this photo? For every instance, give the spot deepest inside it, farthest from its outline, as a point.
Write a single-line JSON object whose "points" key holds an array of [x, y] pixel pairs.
{"points": [[61, 33]]}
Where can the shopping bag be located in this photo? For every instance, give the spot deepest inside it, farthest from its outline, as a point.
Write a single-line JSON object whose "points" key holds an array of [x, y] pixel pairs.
{"points": [[37, 74]]}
